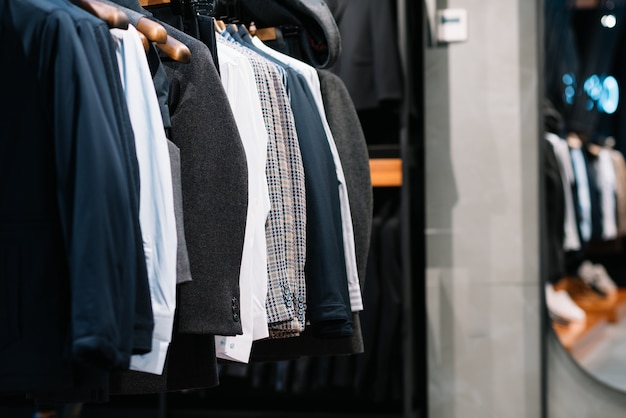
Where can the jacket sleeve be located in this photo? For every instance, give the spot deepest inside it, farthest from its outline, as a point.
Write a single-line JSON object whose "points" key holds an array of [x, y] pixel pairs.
{"points": [[98, 215]]}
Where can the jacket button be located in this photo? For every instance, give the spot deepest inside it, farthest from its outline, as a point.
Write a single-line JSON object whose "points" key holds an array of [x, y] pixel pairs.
{"points": [[235, 309]]}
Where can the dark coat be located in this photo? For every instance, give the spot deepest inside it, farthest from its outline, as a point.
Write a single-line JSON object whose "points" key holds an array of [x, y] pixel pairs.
{"points": [[215, 192], [71, 256]]}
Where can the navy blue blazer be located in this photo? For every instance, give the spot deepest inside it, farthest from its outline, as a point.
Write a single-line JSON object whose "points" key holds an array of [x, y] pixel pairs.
{"points": [[71, 258]]}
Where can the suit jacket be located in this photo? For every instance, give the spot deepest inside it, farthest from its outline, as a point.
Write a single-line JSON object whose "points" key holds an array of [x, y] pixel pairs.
{"points": [[327, 298], [71, 254], [215, 198]]}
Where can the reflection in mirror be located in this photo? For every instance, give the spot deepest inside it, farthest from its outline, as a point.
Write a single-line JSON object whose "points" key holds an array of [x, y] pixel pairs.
{"points": [[584, 176]]}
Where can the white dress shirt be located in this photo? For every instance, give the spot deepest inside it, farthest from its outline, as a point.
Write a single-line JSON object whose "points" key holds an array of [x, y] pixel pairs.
{"points": [[239, 83], [156, 199], [607, 185], [312, 79]]}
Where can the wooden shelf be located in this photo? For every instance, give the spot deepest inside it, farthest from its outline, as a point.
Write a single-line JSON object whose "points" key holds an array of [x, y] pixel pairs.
{"points": [[386, 172], [145, 3]]}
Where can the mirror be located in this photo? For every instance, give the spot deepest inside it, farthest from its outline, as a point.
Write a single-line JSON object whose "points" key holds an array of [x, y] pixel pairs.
{"points": [[584, 174]]}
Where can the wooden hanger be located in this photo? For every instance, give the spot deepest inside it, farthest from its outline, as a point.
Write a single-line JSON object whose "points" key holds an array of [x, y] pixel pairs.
{"points": [[144, 41], [252, 29], [114, 17], [266, 34], [175, 49], [154, 31], [594, 149], [244, 27], [574, 140], [220, 25]]}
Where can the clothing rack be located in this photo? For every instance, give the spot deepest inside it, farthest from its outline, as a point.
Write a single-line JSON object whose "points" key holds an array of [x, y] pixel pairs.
{"points": [[405, 173], [401, 173]]}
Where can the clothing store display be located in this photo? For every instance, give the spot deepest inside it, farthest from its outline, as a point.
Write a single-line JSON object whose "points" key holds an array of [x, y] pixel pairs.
{"points": [[187, 211]]}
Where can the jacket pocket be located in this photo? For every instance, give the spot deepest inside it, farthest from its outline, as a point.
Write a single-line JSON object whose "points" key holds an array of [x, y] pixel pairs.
{"points": [[10, 295]]}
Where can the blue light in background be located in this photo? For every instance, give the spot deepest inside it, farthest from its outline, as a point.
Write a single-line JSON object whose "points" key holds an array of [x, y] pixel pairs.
{"points": [[609, 98], [570, 91], [602, 92], [593, 87]]}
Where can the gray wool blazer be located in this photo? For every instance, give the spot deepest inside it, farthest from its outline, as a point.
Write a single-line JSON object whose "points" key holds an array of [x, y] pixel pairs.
{"points": [[215, 194]]}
